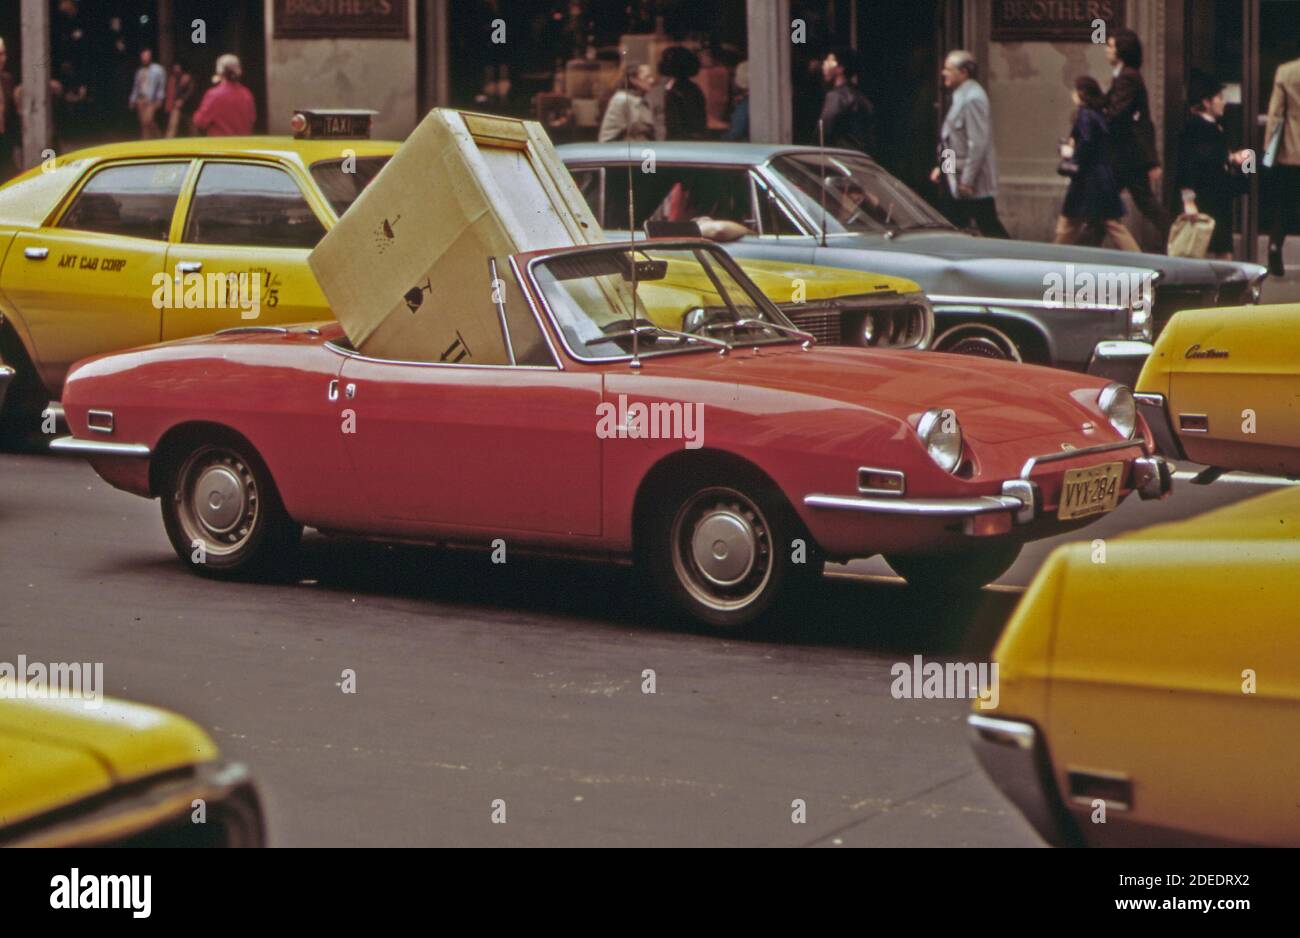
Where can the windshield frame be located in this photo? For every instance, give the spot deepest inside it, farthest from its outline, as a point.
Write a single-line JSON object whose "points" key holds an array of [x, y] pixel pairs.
{"points": [[716, 254], [771, 171]]}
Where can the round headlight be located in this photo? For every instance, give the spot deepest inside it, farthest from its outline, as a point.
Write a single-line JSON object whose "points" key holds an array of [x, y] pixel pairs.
{"points": [[1116, 402], [941, 434], [868, 330]]}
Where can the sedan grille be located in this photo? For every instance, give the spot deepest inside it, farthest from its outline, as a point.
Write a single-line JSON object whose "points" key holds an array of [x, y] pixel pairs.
{"points": [[900, 322]]}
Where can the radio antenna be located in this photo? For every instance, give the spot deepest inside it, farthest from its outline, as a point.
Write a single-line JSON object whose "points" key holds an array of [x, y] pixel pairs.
{"points": [[821, 144], [631, 205]]}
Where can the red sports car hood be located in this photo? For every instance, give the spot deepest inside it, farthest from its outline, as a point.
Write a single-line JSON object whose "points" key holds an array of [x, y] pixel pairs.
{"points": [[995, 401]]}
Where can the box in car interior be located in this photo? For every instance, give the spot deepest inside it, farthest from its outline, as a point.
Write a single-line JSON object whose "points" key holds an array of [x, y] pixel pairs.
{"points": [[406, 268]]}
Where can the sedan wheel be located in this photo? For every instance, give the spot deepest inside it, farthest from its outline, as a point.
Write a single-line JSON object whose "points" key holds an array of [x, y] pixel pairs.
{"points": [[223, 515], [979, 342]]}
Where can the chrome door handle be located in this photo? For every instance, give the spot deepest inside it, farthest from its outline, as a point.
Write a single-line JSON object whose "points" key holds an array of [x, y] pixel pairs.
{"points": [[36, 254], [350, 392], [189, 267]]}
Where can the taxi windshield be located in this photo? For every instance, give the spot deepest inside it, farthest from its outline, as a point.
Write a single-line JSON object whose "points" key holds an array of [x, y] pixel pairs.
{"points": [[686, 299]]}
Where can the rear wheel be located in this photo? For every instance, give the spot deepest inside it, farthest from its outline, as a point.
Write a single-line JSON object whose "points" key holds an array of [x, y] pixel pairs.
{"points": [[958, 572], [223, 515], [723, 551]]}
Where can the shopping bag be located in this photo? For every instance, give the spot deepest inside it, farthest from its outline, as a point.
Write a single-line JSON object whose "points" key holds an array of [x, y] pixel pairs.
{"points": [[1190, 235]]}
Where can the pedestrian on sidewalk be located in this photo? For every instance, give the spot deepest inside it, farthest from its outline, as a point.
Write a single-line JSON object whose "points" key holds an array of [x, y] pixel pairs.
{"points": [[970, 189], [848, 116], [148, 93], [1208, 177], [181, 91], [11, 136], [629, 115], [228, 109], [1132, 134], [1092, 208], [1282, 142]]}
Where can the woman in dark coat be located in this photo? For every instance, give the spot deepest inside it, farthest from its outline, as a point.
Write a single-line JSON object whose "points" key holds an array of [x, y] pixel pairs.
{"points": [[1208, 179], [1092, 208], [685, 112]]}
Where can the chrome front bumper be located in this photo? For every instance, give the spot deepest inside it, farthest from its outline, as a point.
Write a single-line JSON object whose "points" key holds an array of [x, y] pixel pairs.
{"points": [[1152, 478], [70, 445], [6, 378], [1014, 755]]}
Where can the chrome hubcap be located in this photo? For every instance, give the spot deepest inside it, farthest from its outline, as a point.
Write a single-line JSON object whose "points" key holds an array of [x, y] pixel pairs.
{"points": [[217, 501], [722, 549]]}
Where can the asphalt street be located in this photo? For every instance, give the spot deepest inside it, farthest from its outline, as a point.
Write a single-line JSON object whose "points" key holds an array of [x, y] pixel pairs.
{"points": [[522, 682]]}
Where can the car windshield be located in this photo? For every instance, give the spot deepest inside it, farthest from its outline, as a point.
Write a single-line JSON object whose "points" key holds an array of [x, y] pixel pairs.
{"points": [[342, 184], [860, 196], [687, 298]]}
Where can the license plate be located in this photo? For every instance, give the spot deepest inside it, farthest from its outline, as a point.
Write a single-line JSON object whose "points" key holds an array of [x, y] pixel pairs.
{"points": [[1091, 491]]}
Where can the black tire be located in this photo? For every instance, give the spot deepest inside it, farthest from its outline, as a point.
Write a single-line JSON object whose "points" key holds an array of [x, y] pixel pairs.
{"points": [[733, 587], [957, 572], [20, 416], [241, 526]]}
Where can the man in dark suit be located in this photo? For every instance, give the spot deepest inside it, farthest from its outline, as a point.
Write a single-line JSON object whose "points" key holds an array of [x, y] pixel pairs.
{"points": [[1133, 136]]}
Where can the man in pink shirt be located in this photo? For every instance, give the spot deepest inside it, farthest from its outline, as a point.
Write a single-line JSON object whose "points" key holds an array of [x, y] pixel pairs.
{"points": [[228, 109]]}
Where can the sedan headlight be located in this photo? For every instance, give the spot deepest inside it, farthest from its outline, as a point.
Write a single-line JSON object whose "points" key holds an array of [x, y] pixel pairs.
{"points": [[941, 434], [1116, 402]]}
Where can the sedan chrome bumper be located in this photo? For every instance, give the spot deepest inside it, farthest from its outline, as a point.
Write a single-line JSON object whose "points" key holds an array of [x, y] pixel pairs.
{"points": [[1152, 477], [1014, 755], [75, 447]]}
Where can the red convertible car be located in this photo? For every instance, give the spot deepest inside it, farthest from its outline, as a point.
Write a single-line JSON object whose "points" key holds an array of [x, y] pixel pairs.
{"points": [[653, 406]]}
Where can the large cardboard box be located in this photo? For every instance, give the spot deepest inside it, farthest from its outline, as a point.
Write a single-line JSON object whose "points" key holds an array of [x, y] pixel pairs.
{"points": [[406, 268]]}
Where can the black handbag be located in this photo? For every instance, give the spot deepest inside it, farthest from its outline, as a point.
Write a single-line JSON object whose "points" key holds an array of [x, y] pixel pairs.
{"points": [[1067, 168]]}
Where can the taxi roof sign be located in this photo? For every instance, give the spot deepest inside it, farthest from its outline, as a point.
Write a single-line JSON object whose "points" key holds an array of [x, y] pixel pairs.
{"points": [[332, 123]]}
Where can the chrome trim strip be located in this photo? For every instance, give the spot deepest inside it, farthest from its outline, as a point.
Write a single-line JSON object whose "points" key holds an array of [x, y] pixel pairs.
{"points": [[938, 300], [892, 473], [919, 507], [73, 446], [251, 330], [1004, 732], [1146, 397], [1035, 461]]}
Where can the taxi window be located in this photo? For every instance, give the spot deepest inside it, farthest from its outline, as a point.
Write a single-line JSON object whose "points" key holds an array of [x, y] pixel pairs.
{"points": [[342, 181], [252, 206], [136, 200]]}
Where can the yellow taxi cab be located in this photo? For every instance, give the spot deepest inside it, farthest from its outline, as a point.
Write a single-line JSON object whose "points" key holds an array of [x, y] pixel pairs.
{"points": [[1121, 721], [129, 244], [116, 774], [1222, 388]]}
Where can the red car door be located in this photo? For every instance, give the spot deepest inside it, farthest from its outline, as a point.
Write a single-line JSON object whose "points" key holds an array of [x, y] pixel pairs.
{"points": [[459, 448]]}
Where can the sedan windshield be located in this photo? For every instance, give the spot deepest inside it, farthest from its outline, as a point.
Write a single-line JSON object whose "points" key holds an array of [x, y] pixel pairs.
{"points": [[341, 183], [860, 197], [686, 298]]}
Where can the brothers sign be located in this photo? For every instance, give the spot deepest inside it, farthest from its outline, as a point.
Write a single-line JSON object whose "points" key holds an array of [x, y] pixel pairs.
{"points": [[1053, 20], [341, 19]]}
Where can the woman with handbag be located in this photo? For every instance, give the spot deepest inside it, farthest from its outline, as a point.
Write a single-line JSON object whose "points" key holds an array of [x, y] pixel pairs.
{"points": [[1092, 208], [1208, 176]]}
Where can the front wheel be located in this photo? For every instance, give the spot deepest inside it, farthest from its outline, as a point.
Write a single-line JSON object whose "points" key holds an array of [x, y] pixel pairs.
{"points": [[723, 552], [223, 515], [958, 572]]}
